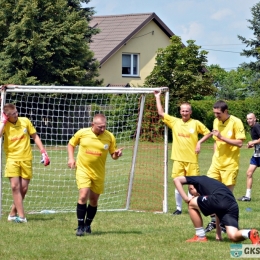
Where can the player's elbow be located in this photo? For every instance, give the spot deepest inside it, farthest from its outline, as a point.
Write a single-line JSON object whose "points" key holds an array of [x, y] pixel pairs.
{"points": [[176, 181], [161, 114]]}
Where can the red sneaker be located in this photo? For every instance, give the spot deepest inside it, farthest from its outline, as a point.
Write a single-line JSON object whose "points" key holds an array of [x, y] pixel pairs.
{"points": [[197, 239], [254, 237]]}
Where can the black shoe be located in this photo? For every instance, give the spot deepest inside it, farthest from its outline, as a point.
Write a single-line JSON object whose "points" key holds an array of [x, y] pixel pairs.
{"points": [[88, 229], [210, 226], [244, 198], [177, 212], [80, 231]]}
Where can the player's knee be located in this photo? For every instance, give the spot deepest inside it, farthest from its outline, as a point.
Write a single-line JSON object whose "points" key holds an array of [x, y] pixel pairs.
{"points": [[93, 202], [15, 188], [249, 174], [232, 236], [82, 199], [24, 190]]}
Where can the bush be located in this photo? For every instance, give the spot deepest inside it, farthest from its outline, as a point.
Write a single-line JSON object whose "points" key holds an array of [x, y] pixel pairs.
{"points": [[203, 110]]}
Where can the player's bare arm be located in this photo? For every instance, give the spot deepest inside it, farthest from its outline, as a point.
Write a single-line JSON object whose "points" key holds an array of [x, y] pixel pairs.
{"points": [[202, 140], [251, 144], [178, 182], [37, 141], [160, 110], [71, 160], [218, 230], [235, 142], [45, 158], [4, 119]]}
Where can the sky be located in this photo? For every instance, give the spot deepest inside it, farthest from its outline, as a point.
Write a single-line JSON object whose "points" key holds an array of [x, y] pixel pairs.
{"points": [[214, 25]]}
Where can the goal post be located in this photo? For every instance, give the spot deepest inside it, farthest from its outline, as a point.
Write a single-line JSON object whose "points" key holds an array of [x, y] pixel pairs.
{"points": [[137, 181]]}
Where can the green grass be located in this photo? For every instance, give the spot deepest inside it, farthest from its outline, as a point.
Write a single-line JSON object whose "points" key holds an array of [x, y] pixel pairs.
{"points": [[129, 234]]}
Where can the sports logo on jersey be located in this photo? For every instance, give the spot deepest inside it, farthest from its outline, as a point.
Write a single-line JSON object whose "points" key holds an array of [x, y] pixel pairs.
{"points": [[106, 146], [96, 153], [229, 133], [25, 130], [204, 198], [192, 130]]}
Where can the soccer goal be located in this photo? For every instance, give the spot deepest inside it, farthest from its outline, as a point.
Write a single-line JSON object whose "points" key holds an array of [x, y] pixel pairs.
{"points": [[137, 181]]}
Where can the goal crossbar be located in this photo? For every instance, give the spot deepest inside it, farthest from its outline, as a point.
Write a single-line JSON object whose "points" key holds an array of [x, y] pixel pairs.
{"points": [[73, 89]]}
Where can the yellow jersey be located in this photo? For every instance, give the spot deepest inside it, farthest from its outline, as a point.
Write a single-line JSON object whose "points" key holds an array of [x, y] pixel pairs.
{"points": [[17, 145], [185, 137], [226, 154], [93, 150]]}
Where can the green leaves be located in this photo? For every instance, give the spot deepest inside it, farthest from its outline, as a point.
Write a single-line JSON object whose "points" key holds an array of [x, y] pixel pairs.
{"points": [[235, 84], [253, 43], [46, 43], [182, 70]]}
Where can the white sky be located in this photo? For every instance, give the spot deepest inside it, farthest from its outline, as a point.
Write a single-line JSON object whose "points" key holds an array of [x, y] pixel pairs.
{"points": [[214, 25]]}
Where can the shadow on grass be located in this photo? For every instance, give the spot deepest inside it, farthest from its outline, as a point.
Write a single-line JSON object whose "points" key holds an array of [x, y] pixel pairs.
{"points": [[121, 232], [40, 219]]}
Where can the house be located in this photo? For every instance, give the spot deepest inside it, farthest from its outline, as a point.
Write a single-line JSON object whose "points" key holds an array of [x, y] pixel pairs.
{"points": [[126, 46]]}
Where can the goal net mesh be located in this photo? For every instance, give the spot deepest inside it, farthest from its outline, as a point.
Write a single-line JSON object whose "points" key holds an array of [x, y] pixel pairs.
{"points": [[57, 115]]}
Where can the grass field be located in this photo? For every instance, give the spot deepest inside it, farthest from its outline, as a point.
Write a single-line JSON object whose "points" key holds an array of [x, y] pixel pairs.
{"points": [[129, 234]]}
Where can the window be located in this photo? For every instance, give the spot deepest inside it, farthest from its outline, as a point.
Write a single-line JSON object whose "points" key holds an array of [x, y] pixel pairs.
{"points": [[130, 65]]}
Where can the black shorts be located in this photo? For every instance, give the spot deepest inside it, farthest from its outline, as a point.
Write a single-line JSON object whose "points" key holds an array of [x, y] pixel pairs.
{"points": [[221, 204]]}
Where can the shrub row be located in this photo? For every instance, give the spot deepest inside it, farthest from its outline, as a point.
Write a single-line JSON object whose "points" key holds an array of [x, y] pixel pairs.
{"points": [[203, 110]]}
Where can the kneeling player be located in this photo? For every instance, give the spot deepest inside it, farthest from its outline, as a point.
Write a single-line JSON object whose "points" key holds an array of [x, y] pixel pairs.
{"points": [[211, 196]]}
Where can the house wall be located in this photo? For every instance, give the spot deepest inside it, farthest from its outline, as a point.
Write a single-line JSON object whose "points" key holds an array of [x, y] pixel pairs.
{"points": [[143, 43]]}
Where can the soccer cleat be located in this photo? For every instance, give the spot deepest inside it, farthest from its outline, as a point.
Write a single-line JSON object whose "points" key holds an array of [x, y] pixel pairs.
{"points": [[197, 239], [244, 198], [210, 226], [88, 230], [11, 218], [177, 212], [254, 237], [80, 231], [20, 220]]}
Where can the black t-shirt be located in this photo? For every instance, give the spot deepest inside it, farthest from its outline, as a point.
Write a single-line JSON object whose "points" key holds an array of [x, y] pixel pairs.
{"points": [[255, 135], [207, 186], [255, 131]]}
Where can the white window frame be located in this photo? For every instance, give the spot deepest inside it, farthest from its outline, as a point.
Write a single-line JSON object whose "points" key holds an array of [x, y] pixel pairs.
{"points": [[131, 74]]}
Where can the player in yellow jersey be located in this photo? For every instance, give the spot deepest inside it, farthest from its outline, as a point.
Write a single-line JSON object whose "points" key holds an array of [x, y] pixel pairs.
{"points": [[186, 144], [94, 144], [17, 132], [228, 133]]}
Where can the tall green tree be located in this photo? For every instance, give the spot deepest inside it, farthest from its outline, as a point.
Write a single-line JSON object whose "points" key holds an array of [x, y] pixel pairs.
{"points": [[182, 69], [46, 42], [235, 84], [253, 43]]}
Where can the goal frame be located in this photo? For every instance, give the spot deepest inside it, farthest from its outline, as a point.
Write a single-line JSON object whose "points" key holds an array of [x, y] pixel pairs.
{"points": [[100, 90]]}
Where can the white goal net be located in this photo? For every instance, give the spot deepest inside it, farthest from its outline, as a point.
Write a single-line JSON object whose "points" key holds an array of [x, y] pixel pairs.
{"points": [[137, 181]]}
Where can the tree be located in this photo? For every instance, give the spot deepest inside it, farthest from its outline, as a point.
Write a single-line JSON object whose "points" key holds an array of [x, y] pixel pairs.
{"points": [[233, 85], [254, 43], [254, 51], [182, 69], [46, 42]]}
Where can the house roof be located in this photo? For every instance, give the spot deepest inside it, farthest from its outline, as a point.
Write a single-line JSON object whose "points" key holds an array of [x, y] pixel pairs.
{"points": [[117, 30]]}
